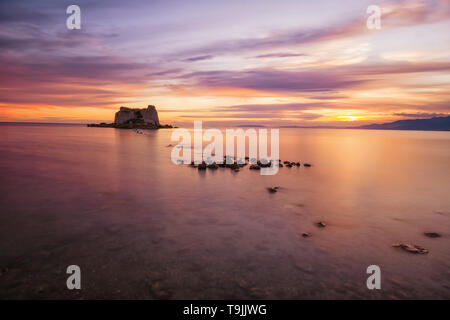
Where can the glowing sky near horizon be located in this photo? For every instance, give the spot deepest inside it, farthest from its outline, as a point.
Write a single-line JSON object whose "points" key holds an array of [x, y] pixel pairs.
{"points": [[226, 62]]}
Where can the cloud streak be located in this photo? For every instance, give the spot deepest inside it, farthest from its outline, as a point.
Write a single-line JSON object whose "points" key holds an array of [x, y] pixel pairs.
{"points": [[279, 55], [324, 80]]}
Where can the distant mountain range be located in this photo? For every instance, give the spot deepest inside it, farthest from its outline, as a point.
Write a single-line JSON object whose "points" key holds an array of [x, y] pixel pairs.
{"points": [[432, 124], [437, 124]]}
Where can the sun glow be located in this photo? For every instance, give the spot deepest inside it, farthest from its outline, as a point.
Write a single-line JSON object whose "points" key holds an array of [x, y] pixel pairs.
{"points": [[350, 117]]}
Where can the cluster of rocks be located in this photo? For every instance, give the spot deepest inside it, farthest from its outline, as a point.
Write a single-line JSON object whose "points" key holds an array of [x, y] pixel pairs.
{"points": [[230, 163], [319, 224], [294, 164], [236, 165]]}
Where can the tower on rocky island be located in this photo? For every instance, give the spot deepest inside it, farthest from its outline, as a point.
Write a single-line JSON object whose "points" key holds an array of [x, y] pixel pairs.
{"points": [[135, 116]]}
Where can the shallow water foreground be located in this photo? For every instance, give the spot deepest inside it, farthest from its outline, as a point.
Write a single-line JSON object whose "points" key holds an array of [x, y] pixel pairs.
{"points": [[112, 202]]}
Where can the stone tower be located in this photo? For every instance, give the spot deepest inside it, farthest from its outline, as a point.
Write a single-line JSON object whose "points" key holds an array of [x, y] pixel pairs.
{"points": [[128, 115]]}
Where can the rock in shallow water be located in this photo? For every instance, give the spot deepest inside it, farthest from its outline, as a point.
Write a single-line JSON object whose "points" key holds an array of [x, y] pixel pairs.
{"points": [[202, 166], [411, 248], [432, 234], [213, 166], [321, 224], [272, 190], [233, 166], [306, 234], [264, 163]]}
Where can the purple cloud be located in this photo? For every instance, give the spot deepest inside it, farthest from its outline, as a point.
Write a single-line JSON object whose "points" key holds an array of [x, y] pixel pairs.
{"points": [[279, 55], [198, 58], [273, 80]]}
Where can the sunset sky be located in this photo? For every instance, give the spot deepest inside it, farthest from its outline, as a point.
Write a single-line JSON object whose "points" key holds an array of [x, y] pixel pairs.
{"points": [[233, 62]]}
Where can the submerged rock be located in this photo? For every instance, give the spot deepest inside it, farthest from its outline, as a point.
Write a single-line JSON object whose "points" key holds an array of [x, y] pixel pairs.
{"points": [[432, 234], [254, 164], [233, 166], [264, 163], [321, 224], [213, 166], [410, 248], [306, 234]]}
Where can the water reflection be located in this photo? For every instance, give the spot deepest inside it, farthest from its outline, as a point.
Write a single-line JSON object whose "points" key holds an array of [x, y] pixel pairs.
{"points": [[139, 226]]}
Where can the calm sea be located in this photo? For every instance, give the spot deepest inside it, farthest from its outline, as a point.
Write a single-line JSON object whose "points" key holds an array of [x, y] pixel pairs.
{"points": [[112, 202]]}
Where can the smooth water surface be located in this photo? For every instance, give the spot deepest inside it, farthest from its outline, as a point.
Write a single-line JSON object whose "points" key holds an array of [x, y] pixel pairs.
{"points": [[139, 226]]}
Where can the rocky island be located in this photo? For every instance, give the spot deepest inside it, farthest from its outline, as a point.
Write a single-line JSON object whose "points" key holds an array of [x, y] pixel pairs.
{"points": [[128, 118]]}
